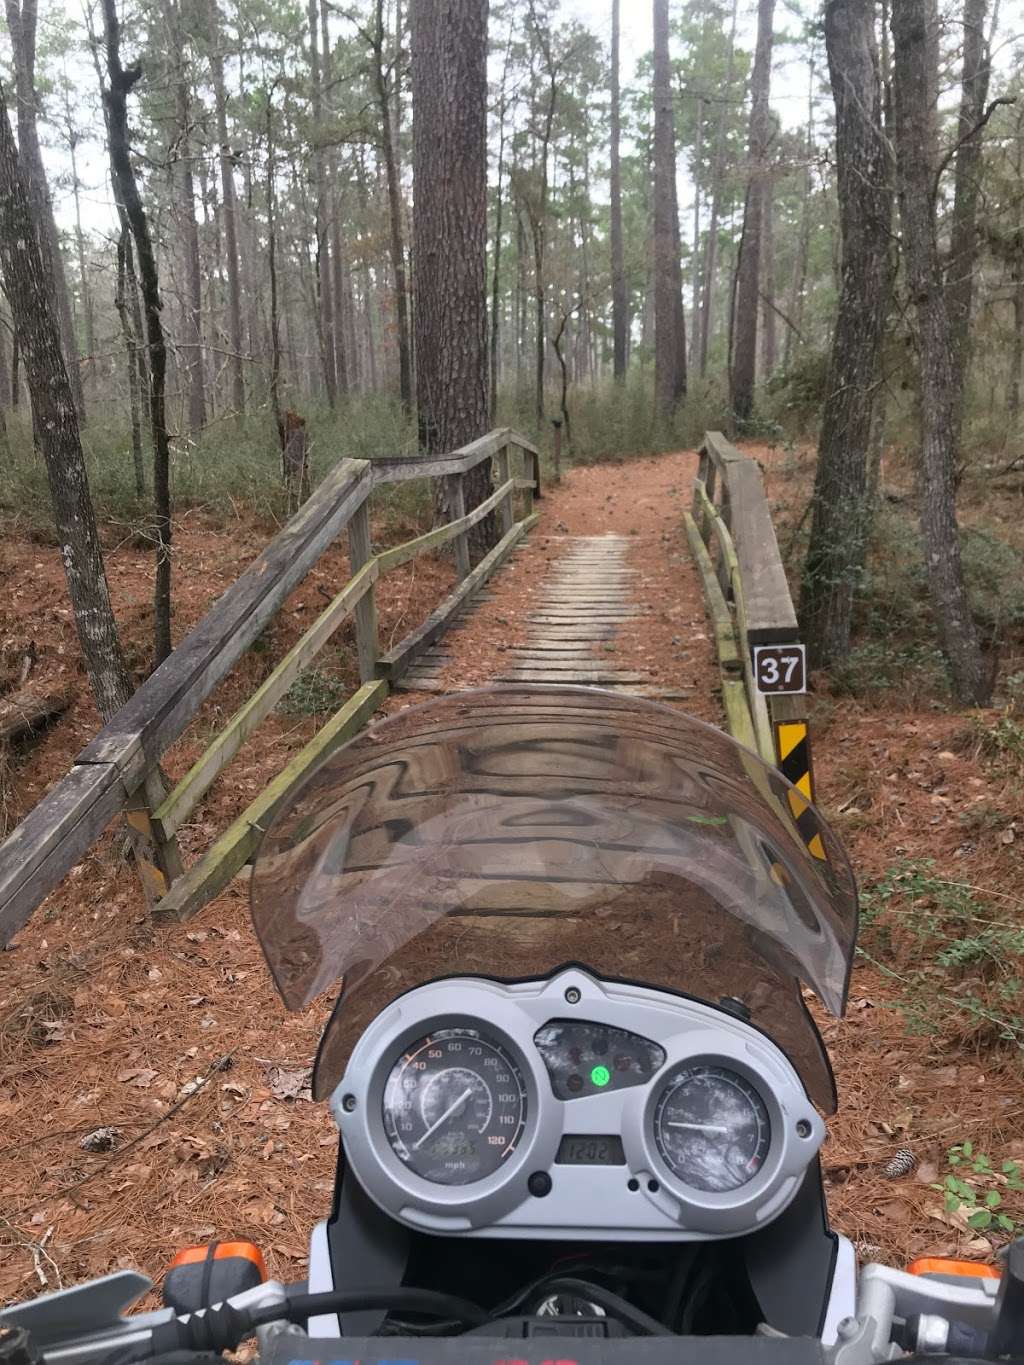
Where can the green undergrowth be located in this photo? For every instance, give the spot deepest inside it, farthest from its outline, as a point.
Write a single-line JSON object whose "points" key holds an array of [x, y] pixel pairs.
{"points": [[612, 421], [895, 643], [317, 692], [988, 1198], [954, 953], [999, 744], [234, 467]]}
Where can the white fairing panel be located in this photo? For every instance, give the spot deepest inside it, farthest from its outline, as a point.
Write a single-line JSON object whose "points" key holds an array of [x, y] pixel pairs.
{"points": [[321, 1281], [842, 1302]]}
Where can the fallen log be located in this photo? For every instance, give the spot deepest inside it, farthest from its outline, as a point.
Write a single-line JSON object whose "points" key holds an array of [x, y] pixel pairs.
{"points": [[24, 712]]}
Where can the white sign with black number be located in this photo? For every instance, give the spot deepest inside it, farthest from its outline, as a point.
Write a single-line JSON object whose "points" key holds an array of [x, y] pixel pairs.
{"points": [[780, 670]]}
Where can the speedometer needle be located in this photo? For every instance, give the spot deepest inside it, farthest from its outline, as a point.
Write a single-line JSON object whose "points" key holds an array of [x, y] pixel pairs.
{"points": [[700, 1127], [447, 1115]]}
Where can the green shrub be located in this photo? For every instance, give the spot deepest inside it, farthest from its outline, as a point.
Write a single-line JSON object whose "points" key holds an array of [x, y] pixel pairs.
{"points": [[957, 960], [978, 1192], [895, 640], [316, 693]]}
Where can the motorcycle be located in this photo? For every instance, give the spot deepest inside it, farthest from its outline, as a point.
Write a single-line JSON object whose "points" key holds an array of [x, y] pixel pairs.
{"points": [[579, 1091]]}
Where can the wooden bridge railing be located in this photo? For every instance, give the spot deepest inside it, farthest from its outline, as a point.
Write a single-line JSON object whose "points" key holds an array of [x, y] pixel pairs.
{"points": [[119, 770], [747, 595]]}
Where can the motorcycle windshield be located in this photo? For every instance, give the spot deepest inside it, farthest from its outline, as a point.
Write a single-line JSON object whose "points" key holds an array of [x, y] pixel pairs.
{"points": [[511, 831]]}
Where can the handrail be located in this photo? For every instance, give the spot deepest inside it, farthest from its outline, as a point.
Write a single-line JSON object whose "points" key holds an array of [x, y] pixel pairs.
{"points": [[749, 602], [119, 769]]}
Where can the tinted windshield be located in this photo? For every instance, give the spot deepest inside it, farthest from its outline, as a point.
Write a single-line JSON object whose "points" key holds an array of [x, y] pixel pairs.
{"points": [[510, 831]]}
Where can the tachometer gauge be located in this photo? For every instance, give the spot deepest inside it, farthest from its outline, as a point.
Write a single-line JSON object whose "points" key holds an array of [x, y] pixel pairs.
{"points": [[712, 1128], [454, 1106]]}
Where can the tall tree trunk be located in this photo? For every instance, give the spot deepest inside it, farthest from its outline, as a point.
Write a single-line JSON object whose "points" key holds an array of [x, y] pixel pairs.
{"points": [[620, 301], [338, 314], [841, 520], [83, 274], [5, 374], [698, 150], [768, 315], [126, 190], [1017, 349], [193, 300], [229, 203], [519, 302], [275, 317], [914, 84], [498, 217], [387, 134], [343, 355], [795, 303], [963, 243], [748, 284], [669, 337], [1017, 276], [324, 296], [449, 101], [21, 21], [31, 298], [132, 346], [717, 191]]}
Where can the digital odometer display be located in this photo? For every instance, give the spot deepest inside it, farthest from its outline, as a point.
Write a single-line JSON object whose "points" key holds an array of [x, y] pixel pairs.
{"points": [[454, 1106], [583, 1149]]}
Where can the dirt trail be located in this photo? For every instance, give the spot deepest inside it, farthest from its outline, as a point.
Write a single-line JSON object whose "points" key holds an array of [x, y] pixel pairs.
{"points": [[173, 1038]]}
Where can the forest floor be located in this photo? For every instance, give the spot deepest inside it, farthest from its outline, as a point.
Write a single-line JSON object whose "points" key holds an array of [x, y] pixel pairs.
{"points": [[173, 1038]]}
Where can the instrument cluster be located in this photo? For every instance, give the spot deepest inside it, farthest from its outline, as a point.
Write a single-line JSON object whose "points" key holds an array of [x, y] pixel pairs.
{"points": [[572, 1106]]}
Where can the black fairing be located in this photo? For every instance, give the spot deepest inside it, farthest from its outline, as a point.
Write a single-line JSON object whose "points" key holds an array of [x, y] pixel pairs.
{"points": [[781, 1275]]}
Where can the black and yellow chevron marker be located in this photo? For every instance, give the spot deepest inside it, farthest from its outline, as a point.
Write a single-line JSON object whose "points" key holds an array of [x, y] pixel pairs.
{"points": [[793, 746]]}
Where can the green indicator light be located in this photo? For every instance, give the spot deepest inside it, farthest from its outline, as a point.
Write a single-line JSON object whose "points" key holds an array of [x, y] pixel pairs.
{"points": [[600, 1076]]}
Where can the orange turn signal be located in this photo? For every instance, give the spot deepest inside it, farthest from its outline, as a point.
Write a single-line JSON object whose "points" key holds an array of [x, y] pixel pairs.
{"points": [[942, 1265], [201, 1276]]}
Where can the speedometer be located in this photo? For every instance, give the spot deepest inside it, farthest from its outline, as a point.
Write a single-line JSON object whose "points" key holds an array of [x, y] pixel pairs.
{"points": [[454, 1106], [712, 1128]]}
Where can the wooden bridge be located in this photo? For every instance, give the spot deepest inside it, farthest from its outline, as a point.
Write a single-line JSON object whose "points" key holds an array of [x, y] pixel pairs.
{"points": [[589, 612]]}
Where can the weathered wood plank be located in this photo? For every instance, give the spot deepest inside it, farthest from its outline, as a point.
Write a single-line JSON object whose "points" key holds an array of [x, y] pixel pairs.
{"points": [[575, 675], [401, 468], [175, 809], [455, 497], [717, 607], [722, 452], [393, 664], [53, 837], [771, 617], [506, 512], [161, 708], [737, 712], [360, 552], [239, 842], [441, 535]]}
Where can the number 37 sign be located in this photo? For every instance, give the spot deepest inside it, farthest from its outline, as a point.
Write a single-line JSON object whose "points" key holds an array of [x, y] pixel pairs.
{"points": [[780, 669]]}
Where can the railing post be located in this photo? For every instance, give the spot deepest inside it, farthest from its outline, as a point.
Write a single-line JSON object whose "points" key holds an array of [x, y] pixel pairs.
{"points": [[455, 500], [506, 514], [157, 859], [359, 551]]}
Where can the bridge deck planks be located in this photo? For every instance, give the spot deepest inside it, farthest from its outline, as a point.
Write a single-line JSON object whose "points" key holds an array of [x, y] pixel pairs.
{"points": [[588, 597]]}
